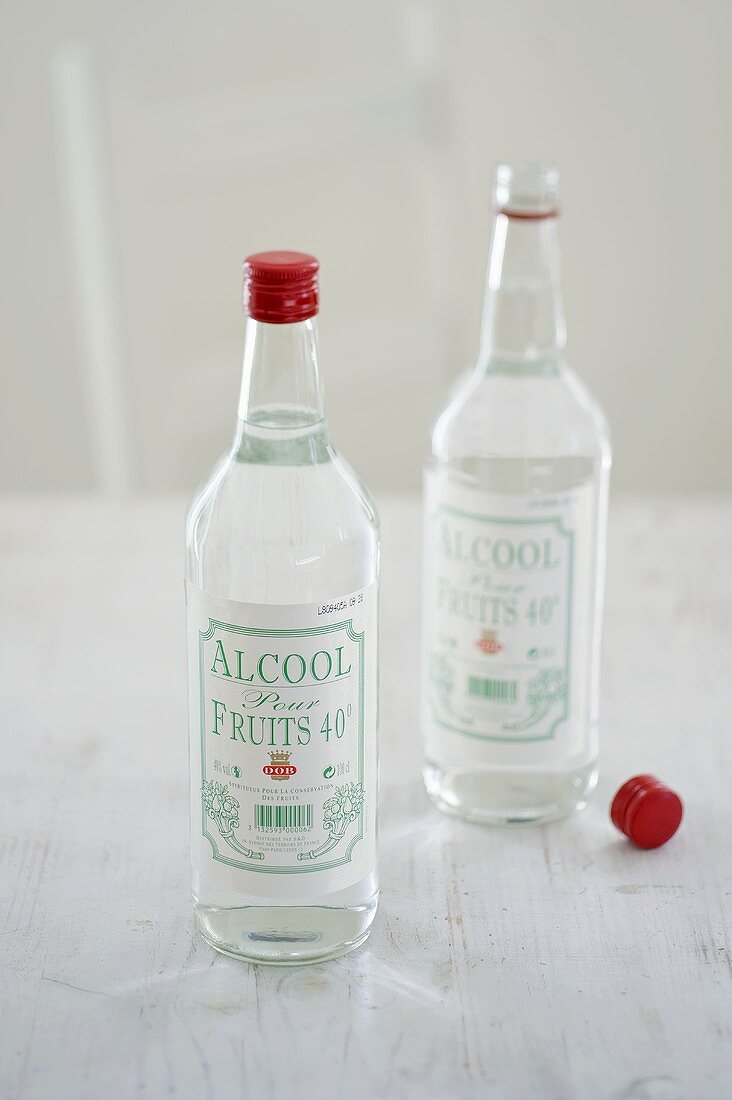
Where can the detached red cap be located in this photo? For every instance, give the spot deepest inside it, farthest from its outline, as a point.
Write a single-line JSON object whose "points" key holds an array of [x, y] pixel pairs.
{"points": [[647, 811], [281, 287]]}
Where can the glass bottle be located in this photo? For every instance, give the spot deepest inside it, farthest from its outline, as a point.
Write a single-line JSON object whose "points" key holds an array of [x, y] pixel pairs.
{"points": [[282, 587], [516, 499]]}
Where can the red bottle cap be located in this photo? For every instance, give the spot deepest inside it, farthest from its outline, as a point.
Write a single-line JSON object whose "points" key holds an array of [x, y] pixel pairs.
{"points": [[647, 811], [281, 287]]}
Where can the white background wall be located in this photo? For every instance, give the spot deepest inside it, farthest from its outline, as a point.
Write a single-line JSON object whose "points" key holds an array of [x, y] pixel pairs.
{"points": [[149, 146]]}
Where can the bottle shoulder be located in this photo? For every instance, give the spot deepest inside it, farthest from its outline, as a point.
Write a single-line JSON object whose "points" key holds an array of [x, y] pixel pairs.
{"points": [[254, 528], [514, 414]]}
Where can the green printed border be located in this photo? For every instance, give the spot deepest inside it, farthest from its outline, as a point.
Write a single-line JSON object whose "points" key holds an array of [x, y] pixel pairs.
{"points": [[542, 520], [204, 636]]}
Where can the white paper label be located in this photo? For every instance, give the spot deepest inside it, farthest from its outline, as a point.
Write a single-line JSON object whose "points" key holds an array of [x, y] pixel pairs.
{"points": [[283, 743], [507, 645]]}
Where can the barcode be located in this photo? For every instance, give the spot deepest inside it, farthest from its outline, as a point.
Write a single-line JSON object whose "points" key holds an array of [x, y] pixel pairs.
{"points": [[503, 691], [284, 817]]}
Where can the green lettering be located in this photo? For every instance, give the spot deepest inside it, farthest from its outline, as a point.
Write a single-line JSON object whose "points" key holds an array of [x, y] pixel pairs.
{"points": [[314, 667], [218, 718], [221, 657], [303, 731], [340, 670], [237, 721], [286, 668], [260, 667], [239, 673]]}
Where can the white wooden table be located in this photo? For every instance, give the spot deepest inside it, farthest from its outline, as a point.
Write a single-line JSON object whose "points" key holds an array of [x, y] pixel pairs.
{"points": [[557, 962]]}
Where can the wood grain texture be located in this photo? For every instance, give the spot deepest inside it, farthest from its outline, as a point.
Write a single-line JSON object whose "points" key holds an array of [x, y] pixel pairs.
{"points": [[555, 962]]}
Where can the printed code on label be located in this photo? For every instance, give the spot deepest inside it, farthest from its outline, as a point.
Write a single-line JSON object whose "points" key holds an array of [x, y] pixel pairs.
{"points": [[503, 691], [284, 817]]}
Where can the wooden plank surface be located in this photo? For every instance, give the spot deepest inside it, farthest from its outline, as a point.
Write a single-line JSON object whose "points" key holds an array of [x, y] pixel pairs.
{"points": [[555, 962]]}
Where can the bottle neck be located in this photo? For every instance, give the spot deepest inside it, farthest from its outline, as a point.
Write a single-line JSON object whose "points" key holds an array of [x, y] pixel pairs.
{"points": [[523, 316], [280, 389]]}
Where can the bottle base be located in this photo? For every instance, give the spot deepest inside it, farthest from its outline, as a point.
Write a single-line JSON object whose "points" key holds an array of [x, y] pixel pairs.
{"points": [[285, 935], [498, 797]]}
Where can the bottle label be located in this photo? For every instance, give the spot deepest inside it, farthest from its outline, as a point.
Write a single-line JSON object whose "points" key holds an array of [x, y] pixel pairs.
{"points": [[283, 743], [505, 640]]}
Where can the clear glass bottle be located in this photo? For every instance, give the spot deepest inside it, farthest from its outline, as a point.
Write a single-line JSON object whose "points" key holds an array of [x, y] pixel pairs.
{"points": [[516, 498], [282, 576]]}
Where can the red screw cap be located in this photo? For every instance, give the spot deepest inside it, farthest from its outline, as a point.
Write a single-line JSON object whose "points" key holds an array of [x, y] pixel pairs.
{"points": [[281, 287], [647, 811]]}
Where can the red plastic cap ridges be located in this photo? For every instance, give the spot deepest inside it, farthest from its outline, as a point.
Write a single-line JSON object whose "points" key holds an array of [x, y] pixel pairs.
{"points": [[647, 811], [280, 287]]}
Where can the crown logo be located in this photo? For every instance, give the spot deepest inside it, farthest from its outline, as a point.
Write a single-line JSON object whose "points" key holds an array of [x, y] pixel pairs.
{"points": [[279, 766], [488, 642]]}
